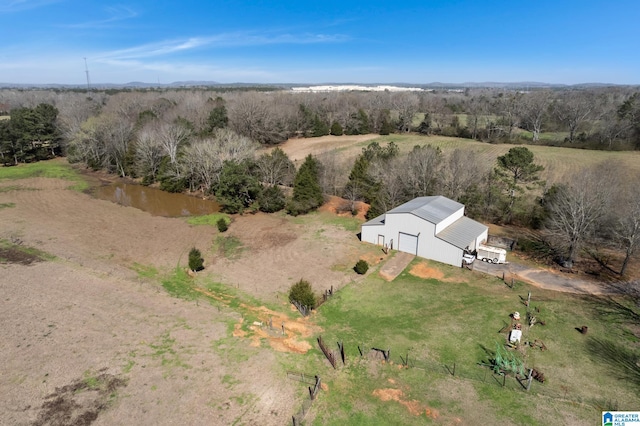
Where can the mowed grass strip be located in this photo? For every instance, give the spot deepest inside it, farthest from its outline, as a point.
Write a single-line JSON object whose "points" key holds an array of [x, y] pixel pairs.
{"points": [[457, 319]]}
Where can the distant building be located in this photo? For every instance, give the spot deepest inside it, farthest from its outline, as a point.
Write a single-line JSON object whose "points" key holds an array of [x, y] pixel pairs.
{"points": [[431, 227]]}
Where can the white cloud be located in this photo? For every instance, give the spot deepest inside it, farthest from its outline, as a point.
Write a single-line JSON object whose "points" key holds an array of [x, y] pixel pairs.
{"points": [[10, 6], [236, 39]]}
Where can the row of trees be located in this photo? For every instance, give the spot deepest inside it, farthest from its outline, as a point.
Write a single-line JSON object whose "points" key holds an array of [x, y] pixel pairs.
{"points": [[605, 118]]}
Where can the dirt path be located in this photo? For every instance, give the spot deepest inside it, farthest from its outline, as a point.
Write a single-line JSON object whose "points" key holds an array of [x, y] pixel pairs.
{"points": [[544, 278]]}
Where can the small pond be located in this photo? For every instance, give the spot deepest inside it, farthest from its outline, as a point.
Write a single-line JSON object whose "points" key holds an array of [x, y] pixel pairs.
{"points": [[155, 201]]}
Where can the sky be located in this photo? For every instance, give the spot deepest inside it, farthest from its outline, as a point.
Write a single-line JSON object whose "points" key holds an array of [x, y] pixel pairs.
{"points": [[315, 42]]}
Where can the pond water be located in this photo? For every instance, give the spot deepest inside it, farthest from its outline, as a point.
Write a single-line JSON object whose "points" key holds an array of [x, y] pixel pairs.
{"points": [[155, 201]]}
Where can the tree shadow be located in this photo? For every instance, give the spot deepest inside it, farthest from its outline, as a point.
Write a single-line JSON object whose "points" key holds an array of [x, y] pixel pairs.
{"points": [[622, 308], [624, 362]]}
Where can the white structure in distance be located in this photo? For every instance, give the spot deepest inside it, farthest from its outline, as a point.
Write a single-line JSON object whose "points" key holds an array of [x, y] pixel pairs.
{"points": [[357, 88]]}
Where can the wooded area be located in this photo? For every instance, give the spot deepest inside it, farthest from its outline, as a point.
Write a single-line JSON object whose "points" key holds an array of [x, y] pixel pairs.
{"points": [[207, 141]]}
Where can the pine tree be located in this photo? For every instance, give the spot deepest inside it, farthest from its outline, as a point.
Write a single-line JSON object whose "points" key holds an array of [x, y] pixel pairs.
{"points": [[307, 193]]}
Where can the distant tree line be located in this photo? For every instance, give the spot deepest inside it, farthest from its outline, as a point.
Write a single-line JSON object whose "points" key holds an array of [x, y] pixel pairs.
{"points": [[596, 118]]}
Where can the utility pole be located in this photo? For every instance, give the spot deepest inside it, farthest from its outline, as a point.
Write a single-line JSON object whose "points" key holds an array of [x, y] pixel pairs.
{"points": [[86, 70]]}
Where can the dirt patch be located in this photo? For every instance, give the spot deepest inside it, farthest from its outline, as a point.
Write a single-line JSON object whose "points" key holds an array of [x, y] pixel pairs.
{"points": [[15, 255], [342, 207], [422, 270], [414, 407], [79, 403], [283, 333]]}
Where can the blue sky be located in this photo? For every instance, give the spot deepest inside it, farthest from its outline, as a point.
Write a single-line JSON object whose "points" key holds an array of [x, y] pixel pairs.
{"points": [[561, 41]]}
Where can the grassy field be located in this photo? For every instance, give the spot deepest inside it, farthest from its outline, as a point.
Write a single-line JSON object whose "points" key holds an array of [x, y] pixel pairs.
{"points": [[456, 320], [56, 169], [558, 162]]}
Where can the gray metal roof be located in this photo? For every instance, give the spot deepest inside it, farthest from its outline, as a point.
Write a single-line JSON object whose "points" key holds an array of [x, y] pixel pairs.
{"points": [[462, 232], [377, 221], [433, 209]]}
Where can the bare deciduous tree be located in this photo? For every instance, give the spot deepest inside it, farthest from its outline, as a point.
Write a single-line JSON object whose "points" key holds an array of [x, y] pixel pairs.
{"points": [[534, 107], [171, 138], [627, 227], [203, 159], [275, 168], [573, 109], [421, 171], [149, 154], [461, 171], [333, 174], [578, 206]]}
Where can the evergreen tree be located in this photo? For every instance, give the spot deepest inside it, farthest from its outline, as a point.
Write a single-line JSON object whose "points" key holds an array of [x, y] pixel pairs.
{"points": [[516, 169], [320, 127], [307, 193], [218, 118], [271, 199], [237, 188], [195, 260], [336, 129]]}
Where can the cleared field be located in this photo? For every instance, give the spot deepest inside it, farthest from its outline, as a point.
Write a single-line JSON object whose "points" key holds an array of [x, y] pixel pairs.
{"points": [[558, 162]]}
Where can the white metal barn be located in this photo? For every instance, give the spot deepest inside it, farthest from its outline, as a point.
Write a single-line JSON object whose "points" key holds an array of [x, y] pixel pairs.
{"points": [[430, 227]]}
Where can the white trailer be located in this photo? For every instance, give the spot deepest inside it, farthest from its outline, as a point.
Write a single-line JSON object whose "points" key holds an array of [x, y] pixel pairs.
{"points": [[491, 254]]}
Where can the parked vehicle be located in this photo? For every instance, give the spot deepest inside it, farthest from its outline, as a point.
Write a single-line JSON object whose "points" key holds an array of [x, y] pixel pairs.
{"points": [[468, 258], [491, 254]]}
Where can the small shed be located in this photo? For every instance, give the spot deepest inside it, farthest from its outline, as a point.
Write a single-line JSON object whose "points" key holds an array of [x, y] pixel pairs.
{"points": [[432, 227]]}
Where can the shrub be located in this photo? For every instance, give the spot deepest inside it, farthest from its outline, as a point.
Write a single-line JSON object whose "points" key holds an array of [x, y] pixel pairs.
{"points": [[302, 293], [222, 224], [195, 260], [361, 267]]}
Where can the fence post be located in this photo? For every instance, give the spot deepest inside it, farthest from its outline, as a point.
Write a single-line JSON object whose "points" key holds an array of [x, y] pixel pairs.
{"points": [[454, 370], [504, 379], [530, 379], [294, 421]]}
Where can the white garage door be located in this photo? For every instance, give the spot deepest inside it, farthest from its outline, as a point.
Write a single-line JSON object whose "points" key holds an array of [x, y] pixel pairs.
{"points": [[408, 243]]}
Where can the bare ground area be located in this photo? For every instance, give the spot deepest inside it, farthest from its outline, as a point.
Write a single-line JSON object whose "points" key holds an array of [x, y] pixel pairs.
{"points": [[298, 148], [86, 341]]}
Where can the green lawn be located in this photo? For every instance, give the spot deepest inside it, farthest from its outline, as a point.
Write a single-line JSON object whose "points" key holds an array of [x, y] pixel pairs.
{"points": [[439, 324]]}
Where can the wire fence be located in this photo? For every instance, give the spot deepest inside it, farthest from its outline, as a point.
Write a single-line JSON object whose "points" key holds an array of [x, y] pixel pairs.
{"points": [[529, 380], [315, 383]]}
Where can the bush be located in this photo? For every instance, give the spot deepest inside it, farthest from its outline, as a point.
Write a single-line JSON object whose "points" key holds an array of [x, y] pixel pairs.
{"points": [[361, 267], [222, 224], [302, 293], [195, 260]]}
